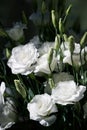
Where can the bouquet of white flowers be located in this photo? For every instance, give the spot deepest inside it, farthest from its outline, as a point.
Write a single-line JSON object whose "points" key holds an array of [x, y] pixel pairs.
{"points": [[45, 78]]}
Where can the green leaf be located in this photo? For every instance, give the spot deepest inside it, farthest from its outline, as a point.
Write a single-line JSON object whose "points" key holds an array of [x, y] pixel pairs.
{"points": [[3, 33], [30, 94], [25, 20], [83, 40], [20, 88]]}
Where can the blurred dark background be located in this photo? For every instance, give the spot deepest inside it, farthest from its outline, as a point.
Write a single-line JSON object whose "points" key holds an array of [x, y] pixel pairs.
{"points": [[11, 12]]}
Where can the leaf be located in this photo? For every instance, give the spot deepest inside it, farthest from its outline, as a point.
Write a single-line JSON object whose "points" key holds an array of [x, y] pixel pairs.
{"points": [[2, 68], [20, 88], [3, 33], [25, 20], [30, 94]]}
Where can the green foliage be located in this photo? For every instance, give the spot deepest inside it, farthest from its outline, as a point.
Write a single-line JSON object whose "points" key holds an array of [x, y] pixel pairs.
{"points": [[3, 33]]}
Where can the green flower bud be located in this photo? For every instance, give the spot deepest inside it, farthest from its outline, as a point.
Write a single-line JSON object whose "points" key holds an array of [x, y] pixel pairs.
{"points": [[53, 15], [57, 42], [83, 40], [71, 43], [65, 37], [68, 10], [61, 28], [43, 7], [50, 56], [20, 88], [7, 52], [51, 83]]}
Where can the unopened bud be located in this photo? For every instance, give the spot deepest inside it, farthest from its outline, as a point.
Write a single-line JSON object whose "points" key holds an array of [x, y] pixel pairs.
{"points": [[57, 42], [65, 37], [50, 56], [20, 88], [68, 10], [61, 28], [7, 52], [51, 83], [43, 7], [83, 40], [53, 15], [71, 43]]}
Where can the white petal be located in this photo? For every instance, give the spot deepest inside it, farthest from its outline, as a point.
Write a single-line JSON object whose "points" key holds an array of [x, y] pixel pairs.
{"points": [[48, 120], [2, 88]]}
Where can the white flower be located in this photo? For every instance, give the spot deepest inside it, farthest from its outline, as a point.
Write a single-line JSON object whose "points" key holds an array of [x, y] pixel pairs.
{"points": [[40, 108], [2, 90], [48, 120], [1, 128], [16, 32], [46, 46], [7, 112], [57, 77], [42, 65], [67, 92], [75, 57], [63, 76], [64, 46], [36, 41], [22, 59], [8, 115]]}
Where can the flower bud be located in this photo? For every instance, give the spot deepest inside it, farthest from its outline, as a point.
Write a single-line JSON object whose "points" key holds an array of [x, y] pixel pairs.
{"points": [[43, 7], [20, 88], [51, 83], [7, 52], [68, 10], [57, 42], [50, 56], [65, 37], [83, 40], [53, 18], [71, 44], [61, 28]]}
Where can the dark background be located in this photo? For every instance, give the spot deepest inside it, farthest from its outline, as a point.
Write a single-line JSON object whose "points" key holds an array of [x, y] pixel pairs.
{"points": [[11, 12]]}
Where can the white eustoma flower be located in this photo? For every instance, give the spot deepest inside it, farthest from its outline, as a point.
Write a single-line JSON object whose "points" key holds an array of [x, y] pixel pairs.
{"points": [[42, 65], [63, 76], [67, 92], [40, 108], [22, 59], [46, 46], [17, 31], [8, 115], [57, 77], [7, 111], [48, 120], [36, 41], [75, 56], [64, 46], [1, 128], [2, 90]]}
